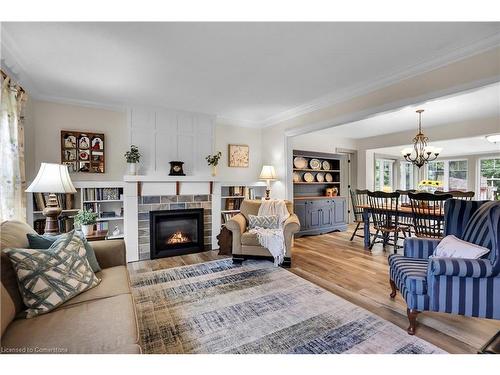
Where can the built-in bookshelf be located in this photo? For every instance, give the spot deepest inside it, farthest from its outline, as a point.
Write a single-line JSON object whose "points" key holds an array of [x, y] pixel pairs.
{"points": [[104, 198], [233, 195]]}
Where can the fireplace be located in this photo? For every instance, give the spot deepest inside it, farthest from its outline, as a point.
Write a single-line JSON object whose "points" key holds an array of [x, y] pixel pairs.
{"points": [[176, 232]]}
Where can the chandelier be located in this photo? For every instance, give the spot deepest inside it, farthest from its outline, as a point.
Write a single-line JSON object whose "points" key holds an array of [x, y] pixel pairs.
{"points": [[421, 153]]}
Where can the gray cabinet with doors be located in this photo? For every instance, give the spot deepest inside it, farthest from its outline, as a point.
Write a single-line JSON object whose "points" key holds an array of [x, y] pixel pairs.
{"points": [[321, 215]]}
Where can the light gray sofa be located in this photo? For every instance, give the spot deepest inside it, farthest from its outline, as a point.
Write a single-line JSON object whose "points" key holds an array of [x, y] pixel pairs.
{"points": [[246, 245], [100, 320]]}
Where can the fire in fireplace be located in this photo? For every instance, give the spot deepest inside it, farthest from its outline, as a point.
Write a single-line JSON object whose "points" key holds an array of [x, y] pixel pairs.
{"points": [[176, 232], [178, 237]]}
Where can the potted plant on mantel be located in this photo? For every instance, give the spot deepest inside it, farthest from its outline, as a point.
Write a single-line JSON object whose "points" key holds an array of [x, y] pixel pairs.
{"points": [[87, 220], [132, 157], [213, 160]]}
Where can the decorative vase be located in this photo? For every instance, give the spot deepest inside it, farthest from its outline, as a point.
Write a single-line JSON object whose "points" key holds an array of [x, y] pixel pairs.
{"points": [[132, 168], [214, 170], [87, 229]]}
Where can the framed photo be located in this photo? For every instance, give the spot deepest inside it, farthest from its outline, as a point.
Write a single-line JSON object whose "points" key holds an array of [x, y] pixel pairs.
{"points": [[83, 152], [239, 156]]}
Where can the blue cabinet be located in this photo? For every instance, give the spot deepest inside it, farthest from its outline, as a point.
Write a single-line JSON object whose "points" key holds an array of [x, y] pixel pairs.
{"points": [[321, 215]]}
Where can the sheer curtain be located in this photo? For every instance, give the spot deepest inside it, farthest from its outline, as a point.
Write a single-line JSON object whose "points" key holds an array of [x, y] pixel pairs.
{"points": [[12, 177]]}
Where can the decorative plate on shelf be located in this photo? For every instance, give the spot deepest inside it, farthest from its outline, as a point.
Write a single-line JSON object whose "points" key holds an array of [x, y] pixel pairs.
{"points": [[326, 165], [299, 162], [296, 177], [315, 164], [308, 177], [328, 177], [320, 177]]}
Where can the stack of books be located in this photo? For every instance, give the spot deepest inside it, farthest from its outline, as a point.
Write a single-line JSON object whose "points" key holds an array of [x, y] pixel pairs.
{"points": [[102, 194]]}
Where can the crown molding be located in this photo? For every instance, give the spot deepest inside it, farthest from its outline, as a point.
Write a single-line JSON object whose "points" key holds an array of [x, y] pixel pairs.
{"points": [[458, 54], [12, 61], [228, 121]]}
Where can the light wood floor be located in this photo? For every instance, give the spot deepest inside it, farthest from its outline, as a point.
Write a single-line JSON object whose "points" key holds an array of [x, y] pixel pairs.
{"points": [[346, 269]]}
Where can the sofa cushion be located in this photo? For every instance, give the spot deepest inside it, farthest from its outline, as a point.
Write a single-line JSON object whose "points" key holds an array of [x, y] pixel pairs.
{"points": [[38, 241], [48, 278], [13, 234], [249, 239], [114, 281], [409, 273], [478, 231], [264, 221], [100, 326]]}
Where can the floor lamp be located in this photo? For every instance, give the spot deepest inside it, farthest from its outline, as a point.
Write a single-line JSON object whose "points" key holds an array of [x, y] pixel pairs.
{"points": [[52, 179]]}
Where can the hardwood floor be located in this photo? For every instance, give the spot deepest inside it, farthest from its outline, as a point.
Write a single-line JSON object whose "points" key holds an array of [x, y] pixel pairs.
{"points": [[346, 269]]}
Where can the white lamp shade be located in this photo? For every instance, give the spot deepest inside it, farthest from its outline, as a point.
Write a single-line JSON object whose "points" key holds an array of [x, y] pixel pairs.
{"points": [[267, 173], [52, 178]]}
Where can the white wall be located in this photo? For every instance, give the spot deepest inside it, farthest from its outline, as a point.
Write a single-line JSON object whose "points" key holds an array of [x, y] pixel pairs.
{"points": [[164, 135], [44, 123], [225, 135], [471, 72]]}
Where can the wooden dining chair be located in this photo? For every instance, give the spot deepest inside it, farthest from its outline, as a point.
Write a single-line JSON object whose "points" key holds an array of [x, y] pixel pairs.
{"points": [[384, 208], [404, 201], [428, 214], [358, 198], [464, 195]]}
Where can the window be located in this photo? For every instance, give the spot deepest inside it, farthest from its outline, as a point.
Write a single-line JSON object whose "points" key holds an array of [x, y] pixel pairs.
{"points": [[384, 174], [435, 171], [457, 177], [407, 180], [489, 183], [451, 173]]}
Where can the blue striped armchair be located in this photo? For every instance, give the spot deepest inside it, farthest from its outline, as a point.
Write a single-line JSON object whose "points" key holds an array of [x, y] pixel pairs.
{"points": [[468, 287]]}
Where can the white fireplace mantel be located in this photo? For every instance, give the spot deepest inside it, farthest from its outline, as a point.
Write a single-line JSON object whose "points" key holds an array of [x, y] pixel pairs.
{"points": [[162, 184], [167, 178]]}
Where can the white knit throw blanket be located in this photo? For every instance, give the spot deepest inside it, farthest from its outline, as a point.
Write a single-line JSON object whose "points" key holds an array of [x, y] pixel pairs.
{"points": [[273, 239]]}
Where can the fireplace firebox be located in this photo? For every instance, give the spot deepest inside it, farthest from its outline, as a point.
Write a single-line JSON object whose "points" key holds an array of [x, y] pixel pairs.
{"points": [[176, 232]]}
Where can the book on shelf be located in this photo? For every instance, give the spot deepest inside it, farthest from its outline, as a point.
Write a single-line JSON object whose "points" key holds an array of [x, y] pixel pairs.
{"points": [[226, 216], [39, 226], [233, 203], [102, 226], [102, 194], [65, 201]]}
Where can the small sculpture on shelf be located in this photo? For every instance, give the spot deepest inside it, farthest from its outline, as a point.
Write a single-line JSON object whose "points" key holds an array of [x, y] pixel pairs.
{"points": [[116, 231]]}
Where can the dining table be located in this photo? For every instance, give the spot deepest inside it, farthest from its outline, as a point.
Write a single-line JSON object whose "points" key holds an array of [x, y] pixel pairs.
{"points": [[404, 211]]}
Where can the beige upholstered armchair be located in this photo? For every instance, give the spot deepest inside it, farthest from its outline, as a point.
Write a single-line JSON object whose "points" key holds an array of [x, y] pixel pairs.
{"points": [[246, 245]]}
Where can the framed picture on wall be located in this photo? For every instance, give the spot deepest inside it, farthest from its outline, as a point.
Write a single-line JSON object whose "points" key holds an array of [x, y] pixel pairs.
{"points": [[83, 151], [239, 156]]}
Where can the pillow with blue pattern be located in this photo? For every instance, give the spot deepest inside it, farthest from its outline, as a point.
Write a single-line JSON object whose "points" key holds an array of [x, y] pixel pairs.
{"points": [[45, 241], [49, 277], [266, 222]]}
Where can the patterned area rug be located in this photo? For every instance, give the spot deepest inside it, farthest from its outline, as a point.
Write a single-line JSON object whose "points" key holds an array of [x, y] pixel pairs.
{"points": [[216, 307]]}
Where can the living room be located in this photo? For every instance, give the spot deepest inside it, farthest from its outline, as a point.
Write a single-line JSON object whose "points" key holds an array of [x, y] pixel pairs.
{"points": [[250, 187]]}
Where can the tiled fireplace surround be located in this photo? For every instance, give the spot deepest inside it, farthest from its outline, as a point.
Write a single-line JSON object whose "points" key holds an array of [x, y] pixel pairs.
{"points": [[171, 202]]}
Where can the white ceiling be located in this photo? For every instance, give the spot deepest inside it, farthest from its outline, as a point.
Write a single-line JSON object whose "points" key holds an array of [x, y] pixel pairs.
{"points": [[479, 103], [454, 147], [248, 72]]}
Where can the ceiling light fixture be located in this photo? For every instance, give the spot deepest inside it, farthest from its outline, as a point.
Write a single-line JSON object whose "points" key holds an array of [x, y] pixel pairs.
{"points": [[494, 138], [421, 153]]}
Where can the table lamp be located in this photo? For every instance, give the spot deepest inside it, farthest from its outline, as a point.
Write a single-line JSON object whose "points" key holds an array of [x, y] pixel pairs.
{"points": [[52, 179], [269, 174]]}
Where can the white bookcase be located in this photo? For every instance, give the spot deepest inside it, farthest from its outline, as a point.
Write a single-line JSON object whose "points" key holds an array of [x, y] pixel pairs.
{"points": [[82, 200]]}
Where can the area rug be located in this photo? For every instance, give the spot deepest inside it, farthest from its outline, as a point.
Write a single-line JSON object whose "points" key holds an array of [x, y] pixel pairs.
{"points": [[218, 307]]}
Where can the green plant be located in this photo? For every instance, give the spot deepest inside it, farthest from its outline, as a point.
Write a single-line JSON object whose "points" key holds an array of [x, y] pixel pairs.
{"points": [[213, 159], [84, 217], [133, 155]]}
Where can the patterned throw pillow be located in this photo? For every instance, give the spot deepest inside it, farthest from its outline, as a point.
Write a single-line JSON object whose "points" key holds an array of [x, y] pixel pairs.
{"points": [[266, 222], [48, 278], [39, 241]]}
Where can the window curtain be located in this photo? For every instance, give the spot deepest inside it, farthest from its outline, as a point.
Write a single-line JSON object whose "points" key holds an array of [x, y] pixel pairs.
{"points": [[12, 175]]}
